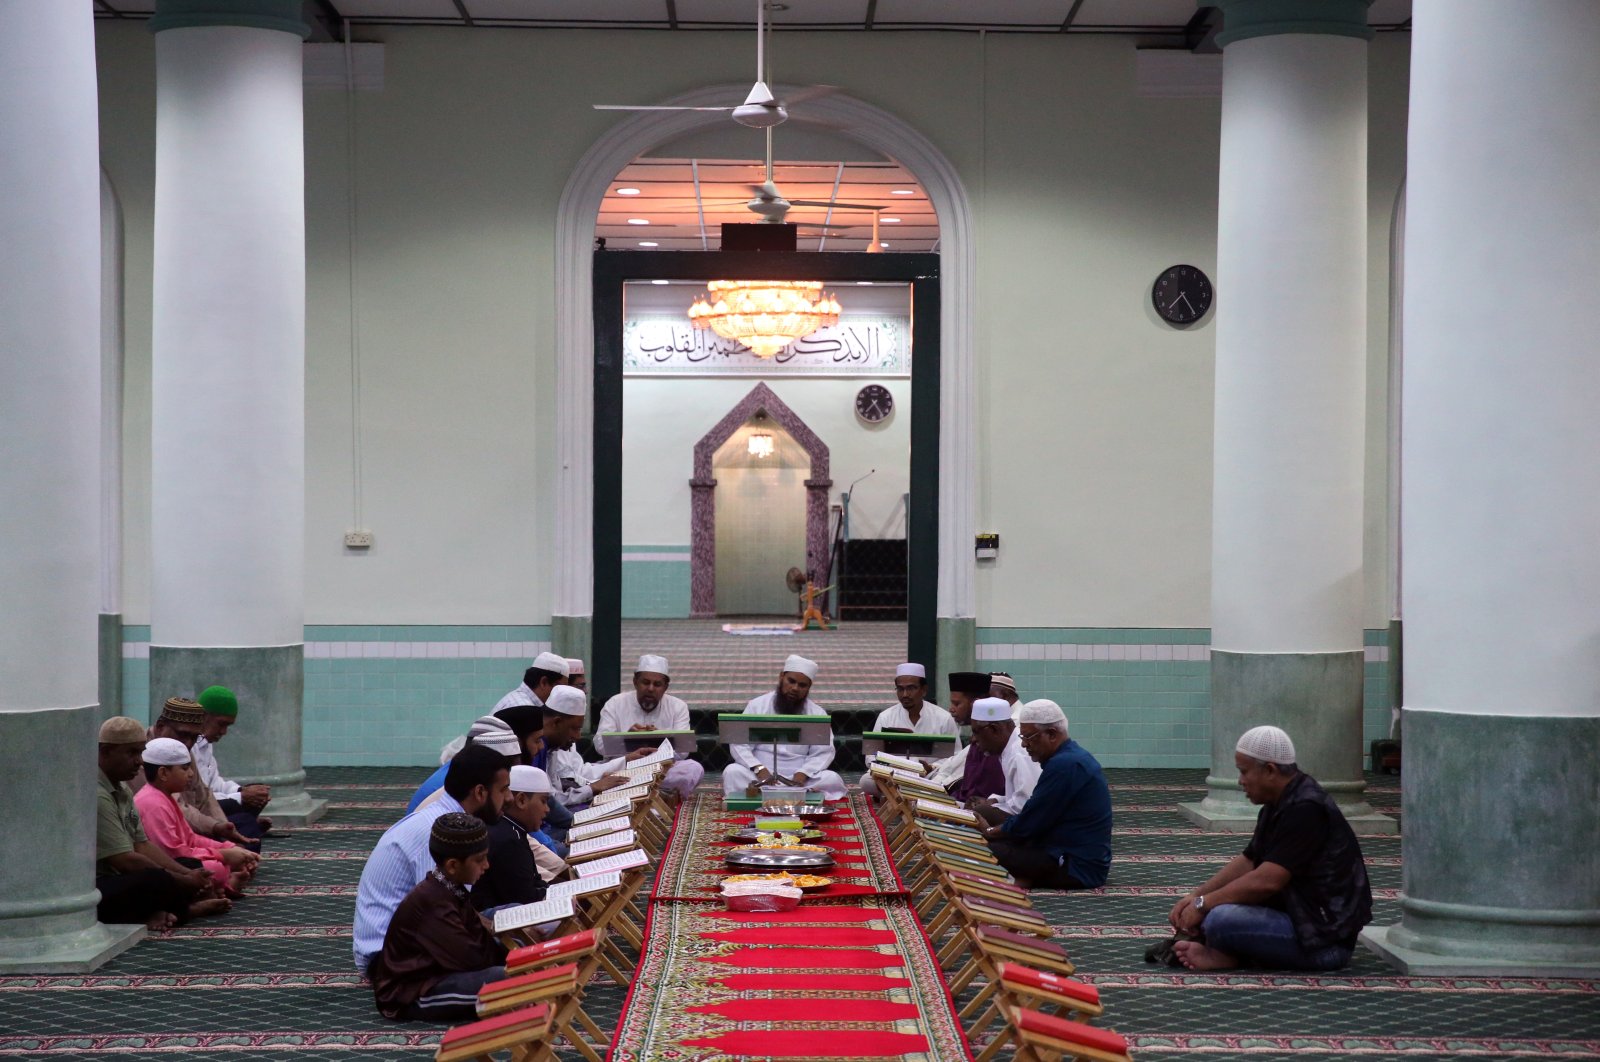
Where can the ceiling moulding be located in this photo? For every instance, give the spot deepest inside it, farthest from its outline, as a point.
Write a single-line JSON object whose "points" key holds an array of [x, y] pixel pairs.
{"points": [[1177, 73], [324, 66]]}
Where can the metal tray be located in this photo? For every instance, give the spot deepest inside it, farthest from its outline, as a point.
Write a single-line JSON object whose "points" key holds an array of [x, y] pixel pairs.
{"points": [[806, 812], [750, 836], [777, 859]]}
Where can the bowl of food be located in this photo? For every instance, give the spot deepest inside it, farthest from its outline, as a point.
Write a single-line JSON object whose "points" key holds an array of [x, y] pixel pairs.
{"points": [[751, 835], [783, 794], [811, 882], [760, 892]]}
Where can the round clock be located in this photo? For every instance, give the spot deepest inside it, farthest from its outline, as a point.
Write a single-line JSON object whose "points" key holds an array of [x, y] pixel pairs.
{"points": [[1182, 294], [874, 403]]}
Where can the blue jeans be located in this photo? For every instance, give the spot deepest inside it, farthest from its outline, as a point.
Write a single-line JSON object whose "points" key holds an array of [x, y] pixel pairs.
{"points": [[1264, 936]]}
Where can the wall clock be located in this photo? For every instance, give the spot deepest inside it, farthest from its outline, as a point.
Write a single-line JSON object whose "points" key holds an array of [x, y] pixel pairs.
{"points": [[1182, 294], [874, 403]]}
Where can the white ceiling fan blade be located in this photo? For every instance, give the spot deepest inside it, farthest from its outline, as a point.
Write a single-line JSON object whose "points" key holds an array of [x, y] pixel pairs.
{"points": [[835, 205], [810, 92], [631, 107]]}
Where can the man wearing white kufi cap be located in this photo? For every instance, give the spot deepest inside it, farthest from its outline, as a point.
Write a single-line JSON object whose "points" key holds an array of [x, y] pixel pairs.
{"points": [[514, 874], [994, 732], [1298, 895], [805, 765], [1061, 839], [913, 713], [548, 671], [488, 731], [646, 707], [577, 781]]}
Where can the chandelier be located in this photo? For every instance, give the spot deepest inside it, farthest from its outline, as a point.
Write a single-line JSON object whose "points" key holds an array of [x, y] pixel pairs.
{"points": [[764, 315], [761, 444]]}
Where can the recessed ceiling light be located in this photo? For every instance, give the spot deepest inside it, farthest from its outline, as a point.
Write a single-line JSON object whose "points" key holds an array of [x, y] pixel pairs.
{"points": [[902, 191], [890, 221], [627, 191], [658, 282], [864, 283], [883, 245], [648, 243], [638, 221]]}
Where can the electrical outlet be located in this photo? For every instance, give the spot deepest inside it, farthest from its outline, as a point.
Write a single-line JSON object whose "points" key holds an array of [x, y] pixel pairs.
{"points": [[358, 540]]}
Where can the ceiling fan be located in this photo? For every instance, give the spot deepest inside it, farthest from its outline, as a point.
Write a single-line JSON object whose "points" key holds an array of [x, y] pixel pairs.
{"points": [[760, 109], [770, 205]]}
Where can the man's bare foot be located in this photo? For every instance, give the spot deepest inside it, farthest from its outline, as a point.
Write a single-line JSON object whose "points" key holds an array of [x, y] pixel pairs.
{"points": [[1196, 956], [265, 824], [207, 908], [236, 884], [161, 922]]}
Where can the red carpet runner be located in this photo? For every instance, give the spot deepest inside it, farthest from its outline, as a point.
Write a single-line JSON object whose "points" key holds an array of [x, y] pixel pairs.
{"points": [[847, 976]]}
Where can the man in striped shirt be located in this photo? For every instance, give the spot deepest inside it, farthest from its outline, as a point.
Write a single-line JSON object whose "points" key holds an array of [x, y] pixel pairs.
{"points": [[476, 784]]}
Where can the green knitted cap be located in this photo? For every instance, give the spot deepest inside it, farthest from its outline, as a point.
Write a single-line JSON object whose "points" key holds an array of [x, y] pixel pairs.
{"points": [[219, 700]]}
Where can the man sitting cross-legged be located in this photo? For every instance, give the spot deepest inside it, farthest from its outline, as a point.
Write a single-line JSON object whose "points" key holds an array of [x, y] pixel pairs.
{"points": [[1298, 895], [183, 720], [912, 712], [242, 804], [1061, 839], [645, 708], [476, 785], [167, 772], [138, 882], [438, 951], [995, 734], [515, 843], [803, 765], [489, 731], [576, 780]]}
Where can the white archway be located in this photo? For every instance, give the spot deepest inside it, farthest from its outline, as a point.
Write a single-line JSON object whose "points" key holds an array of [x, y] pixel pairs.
{"points": [[573, 597]]}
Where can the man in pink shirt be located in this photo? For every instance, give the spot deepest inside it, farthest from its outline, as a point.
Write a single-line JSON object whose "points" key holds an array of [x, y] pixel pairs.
{"points": [[168, 771]]}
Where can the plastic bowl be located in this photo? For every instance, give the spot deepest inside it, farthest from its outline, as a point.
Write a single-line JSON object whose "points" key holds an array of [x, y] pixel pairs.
{"points": [[783, 794], [762, 901]]}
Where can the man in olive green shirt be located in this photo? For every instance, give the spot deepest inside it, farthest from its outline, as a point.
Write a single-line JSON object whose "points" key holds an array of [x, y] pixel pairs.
{"points": [[138, 882]]}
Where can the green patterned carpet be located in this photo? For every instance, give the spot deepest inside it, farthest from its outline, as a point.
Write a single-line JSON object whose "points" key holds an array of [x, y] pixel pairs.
{"points": [[273, 981]]}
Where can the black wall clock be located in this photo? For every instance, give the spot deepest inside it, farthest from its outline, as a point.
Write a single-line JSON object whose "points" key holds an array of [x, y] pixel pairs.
{"points": [[1182, 294], [874, 403]]}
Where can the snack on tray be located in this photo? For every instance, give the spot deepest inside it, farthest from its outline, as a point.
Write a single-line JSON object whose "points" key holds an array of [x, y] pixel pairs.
{"points": [[811, 881], [768, 879], [771, 846]]}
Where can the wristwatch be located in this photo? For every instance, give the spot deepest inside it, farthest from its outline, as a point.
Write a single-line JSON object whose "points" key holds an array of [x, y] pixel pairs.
{"points": [[1199, 903]]}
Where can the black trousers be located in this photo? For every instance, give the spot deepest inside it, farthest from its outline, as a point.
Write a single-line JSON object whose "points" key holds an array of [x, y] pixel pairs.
{"points": [[132, 898], [1034, 865], [246, 820]]}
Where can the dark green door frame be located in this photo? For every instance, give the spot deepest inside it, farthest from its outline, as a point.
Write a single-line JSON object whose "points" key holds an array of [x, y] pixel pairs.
{"points": [[613, 269]]}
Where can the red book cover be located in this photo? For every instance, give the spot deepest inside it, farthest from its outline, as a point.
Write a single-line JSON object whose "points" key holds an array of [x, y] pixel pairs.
{"points": [[1015, 973], [1019, 941], [498, 1025], [983, 903], [545, 949], [537, 977], [1075, 1032]]}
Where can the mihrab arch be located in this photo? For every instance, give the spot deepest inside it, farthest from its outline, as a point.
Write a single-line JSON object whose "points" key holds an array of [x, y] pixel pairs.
{"points": [[703, 498]]}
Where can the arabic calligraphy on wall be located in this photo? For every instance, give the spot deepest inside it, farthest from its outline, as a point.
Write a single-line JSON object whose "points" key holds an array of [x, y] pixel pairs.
{"points": [[859, 345]]}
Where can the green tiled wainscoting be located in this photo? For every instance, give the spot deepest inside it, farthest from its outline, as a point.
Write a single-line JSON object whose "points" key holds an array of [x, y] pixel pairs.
{"points": [[1140, 697], [383, 695], [655, 582]]}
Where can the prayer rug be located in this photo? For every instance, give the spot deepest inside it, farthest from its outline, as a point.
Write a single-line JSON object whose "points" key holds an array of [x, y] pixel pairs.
{"points": [[692, 867], [819, 983]]}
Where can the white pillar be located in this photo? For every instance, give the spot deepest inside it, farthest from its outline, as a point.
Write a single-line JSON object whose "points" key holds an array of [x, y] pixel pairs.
{"points": [[228, 378], [49, 489], [1501, 492], [111, 356], [1290, 399]]}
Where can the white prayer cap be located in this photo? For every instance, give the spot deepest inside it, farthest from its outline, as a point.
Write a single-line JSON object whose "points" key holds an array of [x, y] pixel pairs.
{"points": [[552, 662], [652, 663], [914, 670], [1042, 712], [165, 752], [485, 725], [505, 744], [526, 779], [1267, 744], [1004, 681], [568, 700], [574, 667], [990, 710], [801, 666]]}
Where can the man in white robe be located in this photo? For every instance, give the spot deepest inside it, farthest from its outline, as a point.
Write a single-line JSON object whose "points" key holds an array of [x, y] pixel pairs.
{"points": [[577, 781], [994, 732], [648, 707], [913, 712], [805, 765], [547, 672]]}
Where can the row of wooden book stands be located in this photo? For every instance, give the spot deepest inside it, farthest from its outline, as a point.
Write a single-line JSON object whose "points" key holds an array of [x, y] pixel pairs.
{"points": [[540, 1002], [986, 932]]}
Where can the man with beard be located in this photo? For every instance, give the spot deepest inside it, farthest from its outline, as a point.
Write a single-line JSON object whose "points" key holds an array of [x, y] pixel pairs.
{"points": [[576, 781], [548, 671], [475, 784], [647, 707], [184, 720], [966, 688], [913, 713], [804, 765]]}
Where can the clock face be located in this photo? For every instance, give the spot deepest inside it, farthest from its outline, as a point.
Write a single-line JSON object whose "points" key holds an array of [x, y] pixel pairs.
{"points": [[874, 403], [1182, 294]]}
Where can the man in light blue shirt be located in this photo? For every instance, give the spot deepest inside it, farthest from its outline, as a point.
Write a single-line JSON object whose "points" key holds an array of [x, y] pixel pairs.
{"points": [[476, 783]]}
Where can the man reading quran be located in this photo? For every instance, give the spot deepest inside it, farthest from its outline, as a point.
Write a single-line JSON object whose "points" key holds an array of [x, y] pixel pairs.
{"points": [[805, 765], [1061, 839], [646, 708]]}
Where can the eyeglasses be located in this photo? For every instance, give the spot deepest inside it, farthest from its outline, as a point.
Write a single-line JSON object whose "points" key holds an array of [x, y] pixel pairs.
{"points": [[1028, 739]]}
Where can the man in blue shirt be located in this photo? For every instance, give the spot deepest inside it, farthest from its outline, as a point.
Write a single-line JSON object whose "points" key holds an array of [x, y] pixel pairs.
{"points": [[1061, 839]]}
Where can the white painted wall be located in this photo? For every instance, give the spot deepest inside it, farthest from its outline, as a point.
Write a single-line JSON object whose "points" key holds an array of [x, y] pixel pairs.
{"points": [[1095, 418]]}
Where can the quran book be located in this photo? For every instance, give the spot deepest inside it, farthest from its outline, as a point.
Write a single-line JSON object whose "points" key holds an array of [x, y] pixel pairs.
{"points": [[881, 770], [576, 887], [642, 773], [620, 839], [533, 914], [901, 763], [661, 755], [545, 950], [596, 814], [614, 863], [912, 780], [945, 811], [595, 829], [620, 793], [478, 1032], [1043, 981]]}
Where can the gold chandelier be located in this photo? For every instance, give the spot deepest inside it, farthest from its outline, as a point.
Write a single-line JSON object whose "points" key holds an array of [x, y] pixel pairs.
{"points": [[764, 315]]}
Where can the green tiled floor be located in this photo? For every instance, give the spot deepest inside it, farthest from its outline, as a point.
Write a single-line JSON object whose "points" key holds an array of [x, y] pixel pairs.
{"points": [[273, 981]]}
